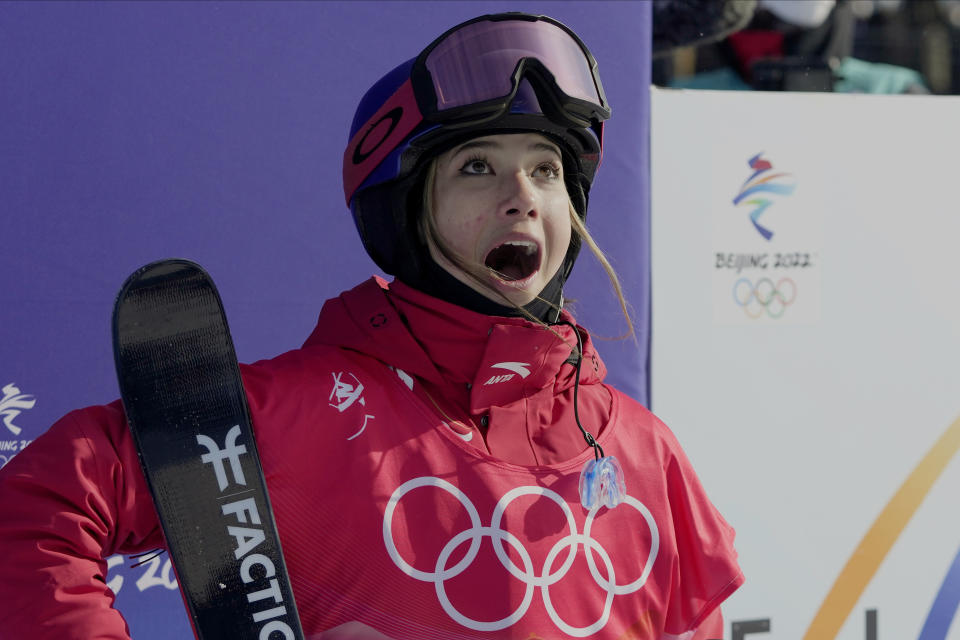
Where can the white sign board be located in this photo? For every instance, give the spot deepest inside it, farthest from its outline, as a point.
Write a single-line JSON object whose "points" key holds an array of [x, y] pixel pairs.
{"points": [[806, 348]]}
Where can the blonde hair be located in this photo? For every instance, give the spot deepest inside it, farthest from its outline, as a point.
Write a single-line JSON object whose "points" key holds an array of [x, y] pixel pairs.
{"points": [[427, 229]]}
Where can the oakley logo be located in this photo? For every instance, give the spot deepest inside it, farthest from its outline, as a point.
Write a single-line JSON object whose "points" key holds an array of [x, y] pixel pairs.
{"points": [[392, 118], [379, 136]]}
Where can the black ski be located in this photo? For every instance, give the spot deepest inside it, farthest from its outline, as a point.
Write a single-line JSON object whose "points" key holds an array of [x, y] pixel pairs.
{"points": [[186, 406]]}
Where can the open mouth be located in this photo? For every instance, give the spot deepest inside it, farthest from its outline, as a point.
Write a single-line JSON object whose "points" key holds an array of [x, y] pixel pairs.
{"points": [[514, 260]]}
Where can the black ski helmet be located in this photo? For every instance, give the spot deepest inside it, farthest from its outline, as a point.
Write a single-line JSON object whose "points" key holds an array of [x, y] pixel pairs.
{"points": [[502, 73]]}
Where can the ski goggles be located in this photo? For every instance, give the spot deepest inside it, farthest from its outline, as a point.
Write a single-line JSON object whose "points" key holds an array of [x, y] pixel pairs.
{"points": [[470, 75]]}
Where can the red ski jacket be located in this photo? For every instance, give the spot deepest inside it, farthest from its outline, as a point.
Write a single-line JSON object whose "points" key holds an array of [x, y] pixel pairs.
{"points": [[423, 465]]}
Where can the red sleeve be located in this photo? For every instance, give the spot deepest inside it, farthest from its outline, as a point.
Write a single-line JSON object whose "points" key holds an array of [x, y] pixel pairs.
{"points": [[711, 628], [73, 497], [707, 570]]}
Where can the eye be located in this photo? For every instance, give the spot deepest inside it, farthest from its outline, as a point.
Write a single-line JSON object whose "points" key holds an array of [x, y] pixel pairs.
{"points": [[476, 166], [549, 170]]}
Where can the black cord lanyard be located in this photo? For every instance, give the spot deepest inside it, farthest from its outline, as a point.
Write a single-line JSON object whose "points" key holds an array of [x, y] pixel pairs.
{"points": [[587, 436]]}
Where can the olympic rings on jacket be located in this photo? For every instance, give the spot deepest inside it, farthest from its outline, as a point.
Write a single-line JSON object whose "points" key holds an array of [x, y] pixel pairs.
{"points": [[527, 574], [764, 296]]}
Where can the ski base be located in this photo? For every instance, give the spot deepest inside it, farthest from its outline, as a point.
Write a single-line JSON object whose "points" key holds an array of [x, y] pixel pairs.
{"points": [[188, 413]]}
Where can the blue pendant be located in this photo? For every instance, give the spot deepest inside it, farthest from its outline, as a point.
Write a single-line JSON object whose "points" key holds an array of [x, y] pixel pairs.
{"points": [[602, 483]]}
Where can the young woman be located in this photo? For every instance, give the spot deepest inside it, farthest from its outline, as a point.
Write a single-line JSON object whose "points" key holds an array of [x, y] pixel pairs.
{"points": [[443, 457]]}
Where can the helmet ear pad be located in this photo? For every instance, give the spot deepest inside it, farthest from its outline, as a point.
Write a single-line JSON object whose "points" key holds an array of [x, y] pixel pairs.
{"points": [[578, 189], [387, 217]]}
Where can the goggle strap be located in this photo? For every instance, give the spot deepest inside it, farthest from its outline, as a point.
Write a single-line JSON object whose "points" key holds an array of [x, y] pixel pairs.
{"points": [[600, 136], [380, 135]]}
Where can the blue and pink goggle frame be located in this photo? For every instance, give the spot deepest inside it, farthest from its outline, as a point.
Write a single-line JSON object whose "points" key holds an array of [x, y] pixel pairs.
{"points": [[470, 75]]}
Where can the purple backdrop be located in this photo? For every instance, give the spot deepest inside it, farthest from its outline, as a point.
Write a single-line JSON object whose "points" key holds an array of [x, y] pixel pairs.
{"points": [[131, 132]]}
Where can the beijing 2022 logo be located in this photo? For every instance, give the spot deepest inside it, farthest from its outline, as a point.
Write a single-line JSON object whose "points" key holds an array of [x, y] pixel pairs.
{"points": [[12, 404], [754, 191], [765, 282]]}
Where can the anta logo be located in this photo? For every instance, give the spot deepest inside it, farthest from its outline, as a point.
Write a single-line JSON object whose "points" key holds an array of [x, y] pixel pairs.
{"points": [[516, 367]]}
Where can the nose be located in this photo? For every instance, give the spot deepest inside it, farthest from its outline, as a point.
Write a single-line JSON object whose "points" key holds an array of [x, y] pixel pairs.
{"points": [[520, 195]]}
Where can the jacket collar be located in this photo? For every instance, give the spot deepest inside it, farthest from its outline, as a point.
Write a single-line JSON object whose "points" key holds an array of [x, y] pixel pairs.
{"points": [[496, 360]]}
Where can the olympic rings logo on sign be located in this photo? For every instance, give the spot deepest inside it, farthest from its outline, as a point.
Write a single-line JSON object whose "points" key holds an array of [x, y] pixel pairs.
{"points": [[528, 575], [764, 296]]}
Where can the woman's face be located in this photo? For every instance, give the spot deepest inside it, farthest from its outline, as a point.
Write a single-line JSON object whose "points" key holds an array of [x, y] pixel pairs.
{"points": [[501, 206]]}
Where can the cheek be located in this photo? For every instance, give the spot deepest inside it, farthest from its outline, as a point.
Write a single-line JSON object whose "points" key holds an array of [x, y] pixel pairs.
{"points": [[459, 229], [560, 245], [566, 232], [560, 228]]}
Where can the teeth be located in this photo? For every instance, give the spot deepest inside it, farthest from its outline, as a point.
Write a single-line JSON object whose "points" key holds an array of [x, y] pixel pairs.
{"points": [[529, 247]]}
